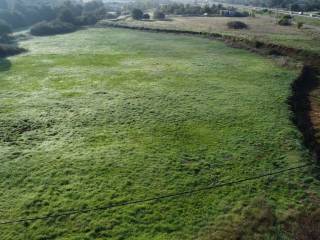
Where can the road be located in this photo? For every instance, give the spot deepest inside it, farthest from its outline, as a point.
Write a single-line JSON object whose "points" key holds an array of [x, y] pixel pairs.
{"points": [[308, 15]]}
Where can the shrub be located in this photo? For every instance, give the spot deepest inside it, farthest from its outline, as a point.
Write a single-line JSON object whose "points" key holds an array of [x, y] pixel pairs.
{"points": [[100, 13], [87, 19], [93, 6], [300, 25], [66, 16], [237, 25], [241, 14], [286, 20], [52, 28], [159, 15], [146, 16], [136, 14], [5, 28], [14, 18], [306, 225], [9, 50], [111, 16]]}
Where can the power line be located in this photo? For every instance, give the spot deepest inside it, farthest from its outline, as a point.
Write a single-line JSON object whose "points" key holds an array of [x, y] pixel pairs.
{"points": [[133, 202]]}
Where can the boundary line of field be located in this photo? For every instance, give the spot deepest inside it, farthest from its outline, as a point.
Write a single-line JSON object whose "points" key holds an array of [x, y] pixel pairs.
{"points": [[308, 57], [152, 199]]}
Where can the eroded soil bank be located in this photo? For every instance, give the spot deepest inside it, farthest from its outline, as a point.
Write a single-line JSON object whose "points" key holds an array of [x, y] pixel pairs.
{"points": [[305, 109]]}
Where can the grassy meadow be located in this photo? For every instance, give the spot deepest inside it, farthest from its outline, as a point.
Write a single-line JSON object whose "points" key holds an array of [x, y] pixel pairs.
{"points": [[261, 27], [102, 116]]}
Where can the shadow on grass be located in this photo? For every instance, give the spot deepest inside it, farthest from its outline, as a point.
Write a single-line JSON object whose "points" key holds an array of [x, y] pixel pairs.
{"points": [[5, 64]]}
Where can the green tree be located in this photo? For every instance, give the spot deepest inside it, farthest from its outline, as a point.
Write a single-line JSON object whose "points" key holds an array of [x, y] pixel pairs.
{"points": [[66, 16], [137, 14], [159, 15], [5, 28]]}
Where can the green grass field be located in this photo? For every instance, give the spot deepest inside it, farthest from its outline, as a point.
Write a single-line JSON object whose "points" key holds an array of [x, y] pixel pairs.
{"points": [[102, 116], [262, 28]]}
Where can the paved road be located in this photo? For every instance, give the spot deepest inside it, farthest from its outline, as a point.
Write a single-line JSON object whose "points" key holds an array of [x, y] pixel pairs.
{"points": [[308, 15]]}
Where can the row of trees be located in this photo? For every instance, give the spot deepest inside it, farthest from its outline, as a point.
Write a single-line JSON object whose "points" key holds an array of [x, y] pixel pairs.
{"points": [[50, 17], [138, 14], [70, 16], [22, 13], [188, 9], [214, 9]]}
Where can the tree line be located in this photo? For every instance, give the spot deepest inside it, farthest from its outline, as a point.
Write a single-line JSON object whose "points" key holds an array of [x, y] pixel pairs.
{"points": [[49, 16]]}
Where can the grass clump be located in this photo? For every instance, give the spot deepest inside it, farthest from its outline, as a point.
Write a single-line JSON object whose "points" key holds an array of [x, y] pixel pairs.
{"points": [[286, 20], [300, 25]]}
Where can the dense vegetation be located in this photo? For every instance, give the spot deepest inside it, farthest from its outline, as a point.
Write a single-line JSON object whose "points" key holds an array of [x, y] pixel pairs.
{"points": [[70, 16], [136, 14], [159, 15], [5, 31], [9, 50], [191, 9], [51, 28], [285, 20], [5, 40], [26, 12], [108, 115]]}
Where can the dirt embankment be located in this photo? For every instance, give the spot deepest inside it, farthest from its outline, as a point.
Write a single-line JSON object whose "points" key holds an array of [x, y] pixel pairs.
{"points": [[300, 102], [303, 108]]}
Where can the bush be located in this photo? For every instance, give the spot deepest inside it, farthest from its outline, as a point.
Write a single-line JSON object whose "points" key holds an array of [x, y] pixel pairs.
{"points": [[66, 16], [111, 16], [237, 25], [286, 20], [146, 16], [87, 19], [9, 50], [14, 18], [159, 15], [93, 6], [241, 14], [5, 28], [137, 14], [51, 28], [306, 225], [300, 25]]}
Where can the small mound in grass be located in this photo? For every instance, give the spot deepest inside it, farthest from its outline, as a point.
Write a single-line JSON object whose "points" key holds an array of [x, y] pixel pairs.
{"points": [[237, 25]]}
